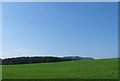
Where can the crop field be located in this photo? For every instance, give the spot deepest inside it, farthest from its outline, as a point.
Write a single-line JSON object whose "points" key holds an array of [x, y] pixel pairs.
{"points": [[79, 69]]}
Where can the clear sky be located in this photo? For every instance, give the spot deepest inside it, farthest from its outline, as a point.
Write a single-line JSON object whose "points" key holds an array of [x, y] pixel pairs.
{"points": [[60, 29]]}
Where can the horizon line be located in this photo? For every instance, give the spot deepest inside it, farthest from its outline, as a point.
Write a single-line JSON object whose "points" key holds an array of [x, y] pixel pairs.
{"points": [[58, 56]]}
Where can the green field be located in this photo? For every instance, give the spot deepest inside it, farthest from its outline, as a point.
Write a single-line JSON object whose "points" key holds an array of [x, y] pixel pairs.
{"points": [[80, 69]]}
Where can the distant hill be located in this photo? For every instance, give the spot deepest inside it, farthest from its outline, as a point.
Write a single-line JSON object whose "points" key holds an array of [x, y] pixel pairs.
{"points": [[78, 58]]}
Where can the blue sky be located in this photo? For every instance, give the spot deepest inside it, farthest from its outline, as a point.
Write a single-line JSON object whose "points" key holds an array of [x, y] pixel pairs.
{"points": [[60, 29]]}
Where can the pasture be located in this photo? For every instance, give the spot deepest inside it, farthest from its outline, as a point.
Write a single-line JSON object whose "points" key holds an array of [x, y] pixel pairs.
{"points": [[78, 69]]}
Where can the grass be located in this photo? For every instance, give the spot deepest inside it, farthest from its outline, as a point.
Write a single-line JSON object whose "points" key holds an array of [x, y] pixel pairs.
{"points": [[80, 69]]}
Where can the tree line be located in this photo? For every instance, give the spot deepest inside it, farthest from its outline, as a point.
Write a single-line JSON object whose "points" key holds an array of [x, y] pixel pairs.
{"points": [[29, 60]]}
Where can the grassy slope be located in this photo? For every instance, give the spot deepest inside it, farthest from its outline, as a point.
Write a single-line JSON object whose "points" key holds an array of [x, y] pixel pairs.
{"points": [[85, 69]]}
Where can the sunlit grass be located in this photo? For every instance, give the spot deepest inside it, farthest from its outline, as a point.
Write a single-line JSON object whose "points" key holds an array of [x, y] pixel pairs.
{"points": [[80, 69]]}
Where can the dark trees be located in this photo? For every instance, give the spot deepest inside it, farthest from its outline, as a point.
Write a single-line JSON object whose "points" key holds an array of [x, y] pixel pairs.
{"points": [[29, 60]]}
